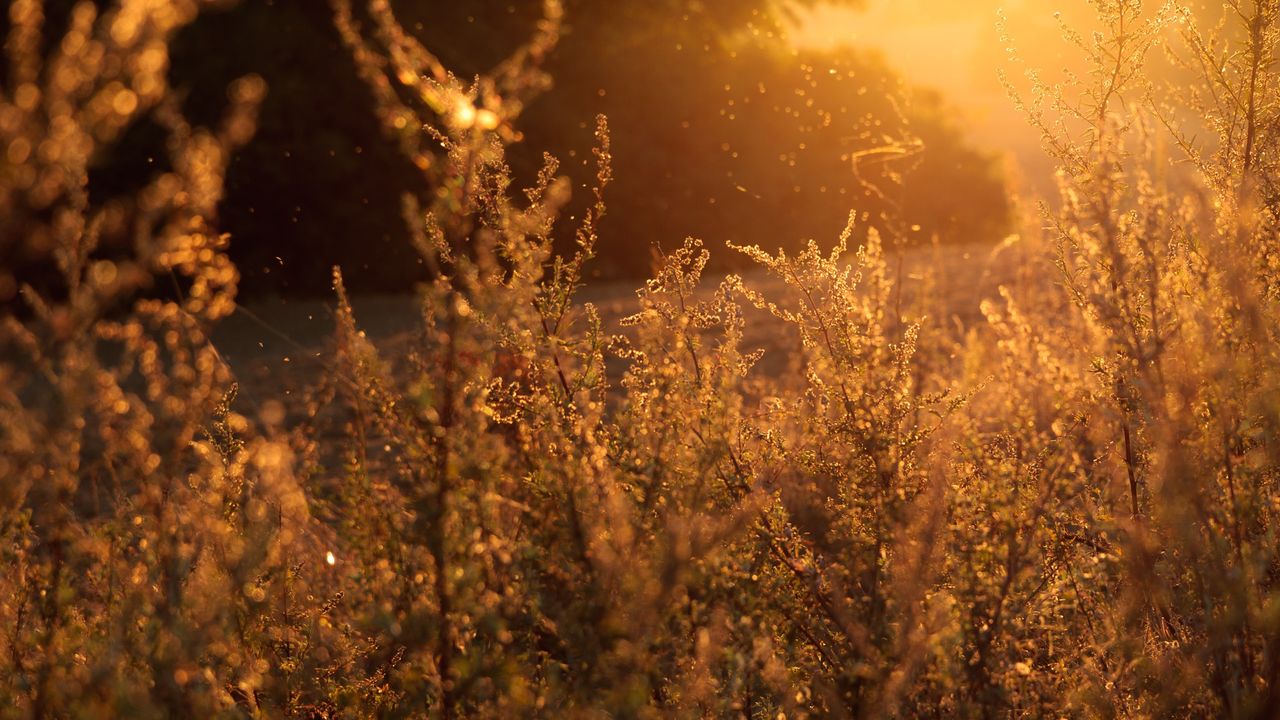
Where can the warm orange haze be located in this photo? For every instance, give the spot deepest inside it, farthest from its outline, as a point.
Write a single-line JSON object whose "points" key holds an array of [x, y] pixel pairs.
{"points": [[972, 51], [957, 47], [639, 359]]}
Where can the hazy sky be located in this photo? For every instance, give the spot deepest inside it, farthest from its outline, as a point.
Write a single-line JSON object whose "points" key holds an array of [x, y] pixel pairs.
{"points": [[954, 46]]}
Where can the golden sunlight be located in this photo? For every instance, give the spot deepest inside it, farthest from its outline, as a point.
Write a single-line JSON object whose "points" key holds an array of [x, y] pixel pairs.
{"points": [[960, 48]]}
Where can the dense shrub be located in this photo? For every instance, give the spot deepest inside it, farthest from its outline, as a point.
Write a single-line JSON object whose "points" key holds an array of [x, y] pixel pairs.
{"points": [[1067, 509]]}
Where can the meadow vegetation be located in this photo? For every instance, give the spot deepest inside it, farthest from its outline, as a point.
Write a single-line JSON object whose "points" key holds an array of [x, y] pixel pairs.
{"points": [[1067, 510]]}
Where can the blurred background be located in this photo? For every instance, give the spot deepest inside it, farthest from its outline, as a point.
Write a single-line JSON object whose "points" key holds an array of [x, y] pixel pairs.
{"points": [[733, 120]]}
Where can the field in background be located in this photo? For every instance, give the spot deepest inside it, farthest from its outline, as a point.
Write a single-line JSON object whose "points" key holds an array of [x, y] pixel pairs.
{"points": [[285, 344]]}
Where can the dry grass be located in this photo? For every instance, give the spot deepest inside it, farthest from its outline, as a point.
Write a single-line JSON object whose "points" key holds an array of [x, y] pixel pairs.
{"points": [[537, 499]]}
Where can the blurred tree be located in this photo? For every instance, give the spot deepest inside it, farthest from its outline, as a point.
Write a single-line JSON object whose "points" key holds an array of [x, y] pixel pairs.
{"points": [[721, 130], [724, 131]]}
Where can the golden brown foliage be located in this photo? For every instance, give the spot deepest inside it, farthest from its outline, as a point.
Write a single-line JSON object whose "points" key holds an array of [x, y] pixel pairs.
{"points": [[1069, 509]]}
